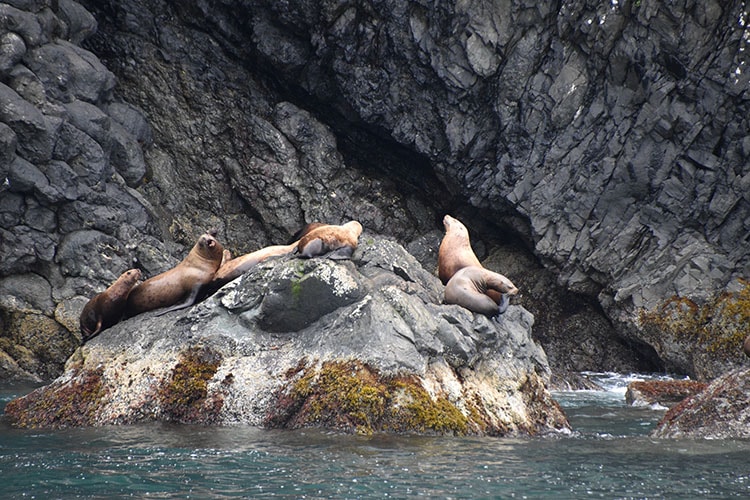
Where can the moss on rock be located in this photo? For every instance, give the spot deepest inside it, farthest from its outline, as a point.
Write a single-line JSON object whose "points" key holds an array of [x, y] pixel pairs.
{"points": [[184, 396], [354, 397], [70, 403], [720, 325]]}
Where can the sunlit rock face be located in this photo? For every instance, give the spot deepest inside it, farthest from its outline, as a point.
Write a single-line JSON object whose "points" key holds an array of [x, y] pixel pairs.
{"points": [[367, 347], [599, 150]]}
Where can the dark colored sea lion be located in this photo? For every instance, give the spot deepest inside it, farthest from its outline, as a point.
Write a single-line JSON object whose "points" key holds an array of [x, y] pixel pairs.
{"points": [[107, 308]]}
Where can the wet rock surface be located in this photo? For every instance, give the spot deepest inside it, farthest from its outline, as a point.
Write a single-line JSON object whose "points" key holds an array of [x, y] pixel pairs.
{"points": [[720, 411], [380, 354], [661, 392]]}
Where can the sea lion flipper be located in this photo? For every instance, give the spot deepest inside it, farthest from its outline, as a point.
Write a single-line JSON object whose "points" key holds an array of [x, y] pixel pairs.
{"points": [[189, 301], [343, 253], [312, 248]]}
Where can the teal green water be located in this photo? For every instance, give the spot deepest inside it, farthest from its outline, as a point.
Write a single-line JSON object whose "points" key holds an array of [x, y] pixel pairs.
{"points": [[608, 456]]}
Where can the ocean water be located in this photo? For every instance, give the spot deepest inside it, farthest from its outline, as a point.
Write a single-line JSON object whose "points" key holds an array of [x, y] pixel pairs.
{"points": [[608, 455]]}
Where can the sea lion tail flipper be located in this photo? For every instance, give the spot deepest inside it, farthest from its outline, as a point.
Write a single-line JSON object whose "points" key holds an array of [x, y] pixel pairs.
{"points": [[88, 334]]}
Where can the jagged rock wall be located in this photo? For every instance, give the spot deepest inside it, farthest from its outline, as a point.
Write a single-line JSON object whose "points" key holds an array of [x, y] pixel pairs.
{"points": [[595, 131], [610, 138]]}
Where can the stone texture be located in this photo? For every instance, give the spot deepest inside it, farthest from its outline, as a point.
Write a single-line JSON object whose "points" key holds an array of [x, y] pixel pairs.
{"points": [[606, 142], [368, 331], [720, 411], [661, 392]]}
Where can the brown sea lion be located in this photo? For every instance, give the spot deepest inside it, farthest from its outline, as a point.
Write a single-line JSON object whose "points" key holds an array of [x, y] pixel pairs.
{"points": [[107, 308], [179, 287], [331, 241], [746, 346], [455, 250], [469, 286]]}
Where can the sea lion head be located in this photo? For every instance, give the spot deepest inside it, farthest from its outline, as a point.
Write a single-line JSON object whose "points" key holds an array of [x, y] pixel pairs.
{"points": [[131, 276], [455, 226], [354, 227], [209, 247]]}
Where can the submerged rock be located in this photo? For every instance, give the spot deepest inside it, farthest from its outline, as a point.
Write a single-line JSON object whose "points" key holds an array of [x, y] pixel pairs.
{"points": [[661, 392], [720, 411], [366, 347]]}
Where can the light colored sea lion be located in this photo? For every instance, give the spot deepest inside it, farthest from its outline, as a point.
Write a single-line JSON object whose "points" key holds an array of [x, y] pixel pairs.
{"points": [[331, 241], [107, 308], [179, 287], [469, 286], [455, 250], [234, 268]]}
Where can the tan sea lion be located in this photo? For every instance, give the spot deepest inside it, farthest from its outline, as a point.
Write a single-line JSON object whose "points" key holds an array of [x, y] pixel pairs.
{"points": [[179, 287], [469, 286], [331, 241], [107, 308], [234, 268], [455, 250]]}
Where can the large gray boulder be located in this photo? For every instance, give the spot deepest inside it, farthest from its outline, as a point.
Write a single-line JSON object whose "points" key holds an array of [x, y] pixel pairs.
{"points": [[361, 345]]}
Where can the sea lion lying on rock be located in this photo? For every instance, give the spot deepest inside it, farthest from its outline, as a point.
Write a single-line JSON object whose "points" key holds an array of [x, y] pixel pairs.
{"points": [[232, 269], [107, 308], [331, 241], [180, 286]]}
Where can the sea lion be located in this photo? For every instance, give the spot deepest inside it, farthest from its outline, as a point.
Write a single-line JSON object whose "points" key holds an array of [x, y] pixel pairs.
{"points": [[179, 287], [331, 241], [469, 286], [455, 250], [746, 346], [455, 253], [107, 308], [234, 268]]}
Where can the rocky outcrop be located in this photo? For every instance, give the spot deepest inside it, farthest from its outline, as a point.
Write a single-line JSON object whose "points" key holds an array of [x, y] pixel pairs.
{"points": [[720, 411], [661, 392], [589, 143], [361, 346]]}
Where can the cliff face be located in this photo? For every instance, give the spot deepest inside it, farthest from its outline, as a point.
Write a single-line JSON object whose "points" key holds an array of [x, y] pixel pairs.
{"points": [[599, 146]]}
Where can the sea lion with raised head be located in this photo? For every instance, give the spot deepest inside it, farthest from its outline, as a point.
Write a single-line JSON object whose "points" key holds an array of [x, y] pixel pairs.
{"points": [[455, 250], [455, 253], [469, 286], [331, 241], [105, 309], [180, 286]]}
